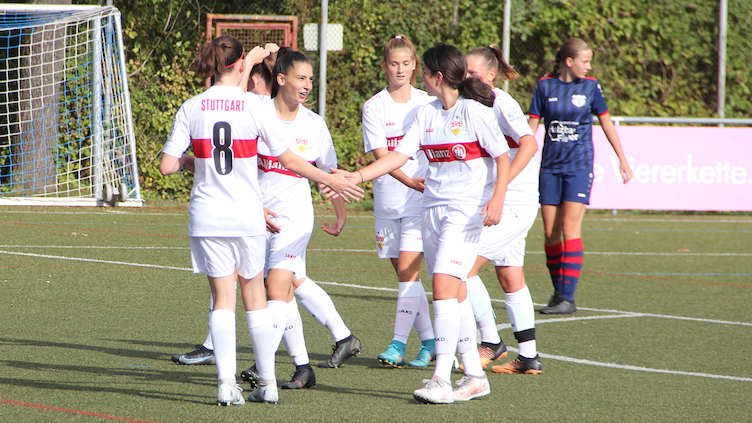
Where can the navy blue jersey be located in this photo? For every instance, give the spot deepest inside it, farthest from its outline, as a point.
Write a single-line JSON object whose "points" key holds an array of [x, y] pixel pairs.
{"points": [[567, 109]]}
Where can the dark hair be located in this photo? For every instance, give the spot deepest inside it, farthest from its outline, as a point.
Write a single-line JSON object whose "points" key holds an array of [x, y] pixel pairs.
{"points": [[218, 57], [450, 61], [265, 68], [493, 58], [569, 49], [286, 59], [401, 42]]}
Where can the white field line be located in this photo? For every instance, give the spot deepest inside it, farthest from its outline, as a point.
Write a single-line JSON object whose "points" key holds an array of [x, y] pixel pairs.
{"points": [[549, 356], [94, 247], [94, 213]]}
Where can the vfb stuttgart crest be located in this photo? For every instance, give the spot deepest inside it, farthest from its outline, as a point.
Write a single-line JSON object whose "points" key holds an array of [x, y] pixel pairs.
{"points": [[579, 100], [456, 125]]}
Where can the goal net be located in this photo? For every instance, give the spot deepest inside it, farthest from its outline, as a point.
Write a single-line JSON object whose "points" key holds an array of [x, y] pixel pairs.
{"points": [[66, 129]]}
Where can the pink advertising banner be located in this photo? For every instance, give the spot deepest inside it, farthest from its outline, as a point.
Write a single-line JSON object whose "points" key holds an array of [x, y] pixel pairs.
{"points": [[674, 168]]}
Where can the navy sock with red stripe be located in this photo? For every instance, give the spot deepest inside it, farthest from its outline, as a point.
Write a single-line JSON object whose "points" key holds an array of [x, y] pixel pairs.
{"points": [[571, 265], [553, 262]]}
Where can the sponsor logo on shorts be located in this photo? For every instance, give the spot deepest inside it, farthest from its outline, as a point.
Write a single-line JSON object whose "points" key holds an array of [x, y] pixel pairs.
{"points": [[429, 130], [453, 261], [288, 255], [552, 99], [581, 195], [380, 241], [390, 124]]}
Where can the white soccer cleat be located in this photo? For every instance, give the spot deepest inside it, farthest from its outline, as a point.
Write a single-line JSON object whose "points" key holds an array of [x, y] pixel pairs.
{"points": [[470, 387], [230, 394], [436, 391], [266, 391]]}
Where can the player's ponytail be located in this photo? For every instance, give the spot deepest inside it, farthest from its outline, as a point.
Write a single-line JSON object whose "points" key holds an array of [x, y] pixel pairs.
{"points": [[450, 61], [218, 57], [569, 49], [493, 58], [401, 42], [287, 58]]}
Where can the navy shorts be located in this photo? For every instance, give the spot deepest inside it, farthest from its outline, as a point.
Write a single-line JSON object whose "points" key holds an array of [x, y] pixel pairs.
{"points": [[555, 188]]}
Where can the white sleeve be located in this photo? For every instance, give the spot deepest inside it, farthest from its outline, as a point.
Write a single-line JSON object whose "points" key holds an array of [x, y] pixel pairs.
{"points": [[488, 131], [511, 119], [265, 126], [410, 143], [374, 135], [327, 154], [180, 135]]}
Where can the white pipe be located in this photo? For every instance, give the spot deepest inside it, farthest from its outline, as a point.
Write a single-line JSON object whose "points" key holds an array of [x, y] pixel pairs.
{"points": [[722, 60], [322, 64], [506, 35]]}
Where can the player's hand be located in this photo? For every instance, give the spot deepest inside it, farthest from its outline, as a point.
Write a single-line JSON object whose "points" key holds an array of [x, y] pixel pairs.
{"points": [[420, 184], [335, 229], [626, 172], [492, 210], [256, 55], [341, 183], [270, 225], [271, 48]]}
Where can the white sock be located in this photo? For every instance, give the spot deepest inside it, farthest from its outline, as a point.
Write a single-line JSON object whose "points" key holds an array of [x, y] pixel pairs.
{"points": [[466, 342], [522, 317], [447, 328], [208, 344], [482, 309], [293, 336], [261, 329], [222, 328], [408, 303], [423, 324], [321, 307]]}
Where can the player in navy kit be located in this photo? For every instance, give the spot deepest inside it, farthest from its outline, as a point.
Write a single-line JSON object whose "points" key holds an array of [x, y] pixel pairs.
{"points": [[566, 100]]}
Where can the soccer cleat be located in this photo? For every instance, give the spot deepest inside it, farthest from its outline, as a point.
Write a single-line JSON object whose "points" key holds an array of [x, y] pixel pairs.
{"points": [[436, 391], [229, 394], [491, 352], [266, 391], [341, 351], [470, 387], [426, 354], [394, 355], [520, 365], [302, 378], [201, 355], [559, 305], [251, 375], [556, 295]]}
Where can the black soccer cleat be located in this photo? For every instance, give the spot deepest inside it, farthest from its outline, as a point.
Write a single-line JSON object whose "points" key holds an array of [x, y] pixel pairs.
{"points": [[251, 375], [302, 378], [489, 352], [201, 355], [520, 365], [559, 305], [341, 351]]}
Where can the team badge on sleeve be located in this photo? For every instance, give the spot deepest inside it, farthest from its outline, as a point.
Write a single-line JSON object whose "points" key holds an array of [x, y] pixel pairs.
{"points": [[456, 126], [579, 100]]}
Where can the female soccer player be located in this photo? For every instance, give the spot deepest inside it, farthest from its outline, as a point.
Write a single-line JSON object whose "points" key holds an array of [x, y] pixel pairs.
{"points": [[398, 198], [567, 100], [504, 244], [226, 224], [461, 140]]}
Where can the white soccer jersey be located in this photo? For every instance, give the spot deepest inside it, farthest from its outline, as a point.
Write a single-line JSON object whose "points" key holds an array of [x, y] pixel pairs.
{"points": [[524, 188], [460, 145], [223, 125], [283, 191], [384, 124]]}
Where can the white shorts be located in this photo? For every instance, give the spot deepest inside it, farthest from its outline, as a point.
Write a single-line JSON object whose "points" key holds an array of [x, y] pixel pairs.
{"points": [[222, 256], [286, 250], [450, 239], [504, 244], [395, 235]]}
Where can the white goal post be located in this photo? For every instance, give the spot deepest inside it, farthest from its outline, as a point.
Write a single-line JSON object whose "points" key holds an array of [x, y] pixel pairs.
{"points": [[66, 128]]}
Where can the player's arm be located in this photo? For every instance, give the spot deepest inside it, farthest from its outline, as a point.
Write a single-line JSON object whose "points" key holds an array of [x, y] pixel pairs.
{"points": [[338, 182], [528, 147], [414, 183], [252, 58], [613, 138], [171, 164], [533, 122], [495, 205], [339, 224]]}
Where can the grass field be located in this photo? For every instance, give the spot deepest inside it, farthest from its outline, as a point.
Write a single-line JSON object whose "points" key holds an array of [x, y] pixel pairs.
{"points": [[94, 302]]}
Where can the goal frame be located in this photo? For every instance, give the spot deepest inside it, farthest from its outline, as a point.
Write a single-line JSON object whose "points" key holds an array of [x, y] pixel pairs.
{"points": [[109, 113]]}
